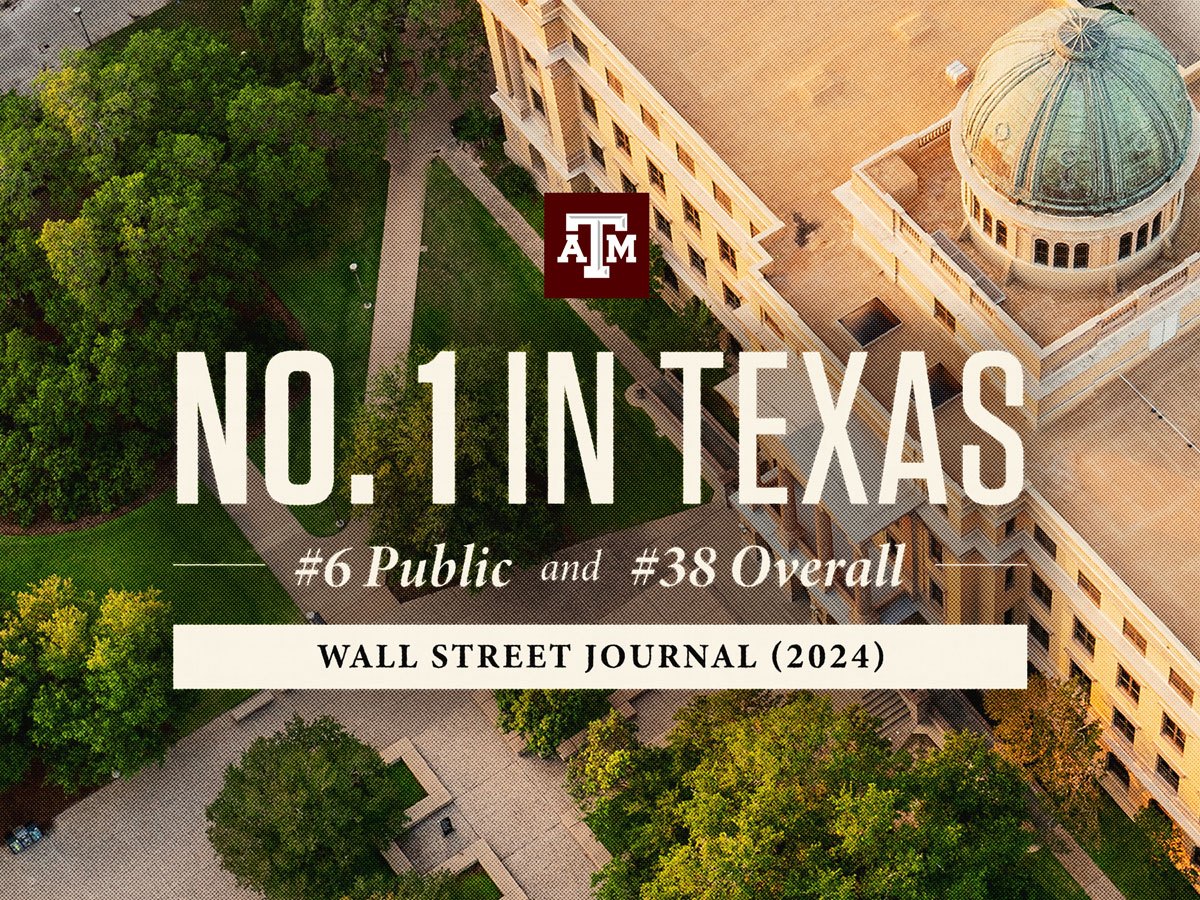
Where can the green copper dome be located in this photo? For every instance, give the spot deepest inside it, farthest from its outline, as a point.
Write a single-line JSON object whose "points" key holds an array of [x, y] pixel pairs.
{"points": [[1078, 112]]}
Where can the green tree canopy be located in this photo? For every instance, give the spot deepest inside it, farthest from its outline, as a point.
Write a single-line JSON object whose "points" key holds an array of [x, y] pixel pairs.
{"points": [[85, 682], [546, 718], [304, 810]]}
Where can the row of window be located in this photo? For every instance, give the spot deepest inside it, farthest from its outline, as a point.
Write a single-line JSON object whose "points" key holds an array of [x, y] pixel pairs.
{"points": [[1063, 255]]}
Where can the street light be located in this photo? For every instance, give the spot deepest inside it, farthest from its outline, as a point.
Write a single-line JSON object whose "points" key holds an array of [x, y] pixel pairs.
{"points": [[79, 15], [358, 280]]}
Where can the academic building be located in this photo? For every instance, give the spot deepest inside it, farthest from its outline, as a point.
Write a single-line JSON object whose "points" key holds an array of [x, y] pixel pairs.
{"points": [[947, 177]]}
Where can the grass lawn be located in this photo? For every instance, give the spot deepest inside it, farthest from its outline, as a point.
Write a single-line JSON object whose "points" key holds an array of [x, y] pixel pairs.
{"points": [[1050, 880], [528, 203], [410, 787], [1123, 852], [137, 550], [327, 300], [476, 287], [474, 884]]}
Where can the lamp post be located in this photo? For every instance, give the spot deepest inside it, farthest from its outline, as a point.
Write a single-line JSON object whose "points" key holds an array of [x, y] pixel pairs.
{"points": [[79, 15], [358, 281]]}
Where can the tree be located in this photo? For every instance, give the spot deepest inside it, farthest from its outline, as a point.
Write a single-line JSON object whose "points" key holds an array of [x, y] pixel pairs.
{"points": [[546, 718], [1170, 849], [278, 26], [85, 682], [408, 886], [605, 764], [392, 437], [303, 811], [1048, 730]]}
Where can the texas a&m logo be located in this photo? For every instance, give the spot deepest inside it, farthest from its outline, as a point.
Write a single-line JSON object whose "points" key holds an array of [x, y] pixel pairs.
{"points": [[597, 245]]}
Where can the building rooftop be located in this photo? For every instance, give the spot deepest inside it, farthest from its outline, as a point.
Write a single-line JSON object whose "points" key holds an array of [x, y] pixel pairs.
{"points": [[824, 88]]}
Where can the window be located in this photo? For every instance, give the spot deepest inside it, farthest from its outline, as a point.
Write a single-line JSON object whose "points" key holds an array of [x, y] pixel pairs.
{"points": [[1173, 733], [935, 593], [589, 104], [1126, 249], [975, 208], [1083, 254], [1085, 585], [656, 177], [690, 214], [1143, 236], [1041, 252], [987, 222], [935, 549], [1010, 527], [723, 198], [1156, 229], [1167, 774], [732, 300], [628, 185], [1135, 637], [539, 161], [1039, 633], [649, 121], [1084, 679], [1128, 683], [538, 103], [1041, 590], [662, 223], [670, 279], [1062, 255], [1010, 577], [1009, 616], [1046, 542], [1001, 233], [697, 260], [615, 83], [1084, 637], [1184, 689], [597, 151], [621, 139], [1117, 768], [943, 315], [1122, 725], [685, 158], [580, 47], [727, 253]]}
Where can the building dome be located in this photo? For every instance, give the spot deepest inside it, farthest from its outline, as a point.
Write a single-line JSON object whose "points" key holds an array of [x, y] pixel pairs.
{"points": [[1078, 112]]}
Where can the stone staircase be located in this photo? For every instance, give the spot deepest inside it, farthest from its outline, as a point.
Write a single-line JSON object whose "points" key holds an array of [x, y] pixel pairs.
{"points": [[892, 712]]}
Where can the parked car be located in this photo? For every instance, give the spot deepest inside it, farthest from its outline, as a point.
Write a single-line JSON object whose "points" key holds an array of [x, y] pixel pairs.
{"points": [[23, 837]]}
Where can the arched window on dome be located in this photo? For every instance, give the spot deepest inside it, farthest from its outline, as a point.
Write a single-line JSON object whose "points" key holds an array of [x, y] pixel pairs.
{"points": [[1041, 252], [1126, 245], [1143, 236], [1157, 229], [987, 222], [1083, 255], [1062, 256], [975, 208], [1001, 234]]}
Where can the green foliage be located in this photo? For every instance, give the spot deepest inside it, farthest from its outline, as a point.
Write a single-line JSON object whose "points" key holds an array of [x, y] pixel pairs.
{"points": [[547, 718], [514, 182], [392, 437], [278, 26], [85, 682], [759, 796], [1048, 729], [304, 811], [476, 126]]}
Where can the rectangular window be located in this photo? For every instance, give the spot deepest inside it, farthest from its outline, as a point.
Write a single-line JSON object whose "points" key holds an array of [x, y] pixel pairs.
{"points": [[662, 223], [1135, 637], [936, 594], [597, 152], [1010, 527], [580, 47], [1184, 689], [1041, 590], [1088, 588], [1046, 542], [538, 103], [1167, 774], [728, 254], [1010, 577], [1128, 684], [1041, 252], [1084, 637], [1001, 233], [1173, 733], [1117, 768], [670, 279], [732, 300], [1009, 616], [1122, 725], [935, 549], [628, 185], [589, 105], [723, 198], [685, 158], [1156, 230], [539, 161], [943, 315], [987, 222], [615, 83], [691, 215], [1039, 633], [1143, 236], [697, 260], [621, 139], [1084, 679], [656, 177], [649, 121], [1126, 248]]}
